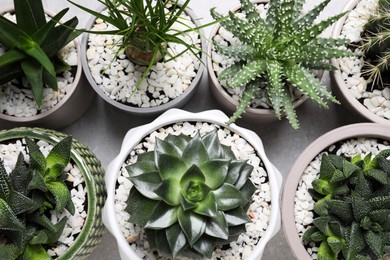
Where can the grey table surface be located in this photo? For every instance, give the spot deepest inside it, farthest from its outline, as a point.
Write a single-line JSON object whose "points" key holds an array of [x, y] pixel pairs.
{"points": [[103, 127]]}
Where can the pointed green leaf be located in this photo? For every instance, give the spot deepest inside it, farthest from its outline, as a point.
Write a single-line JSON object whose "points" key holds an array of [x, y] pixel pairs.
{"points": [[58, 229], [230, 71], [249, 72], [237, 216], [170, 166], [146, 183], [245, 101], [8, 219], [229, 197], [9, 251], [342, 209], [207, 207], [205, 246], [180, 142], [234, 170], [20, 176], [37, 182], [194, 173], [195, 152], [40, 237], [167, 148], [5, 187], [321, 206], [140, 167], [139, 207], [169, 191], [35, 252], [176, 239], [378, 175], [217, 226], [29, 15], [20, 203], [374, 242], [215, 172], [163, 216], [354, 241], [245, 173], [61, 194], [360, 207], [37, 159], [193, 225], [213, 146], [60, 153], [33, 72]]}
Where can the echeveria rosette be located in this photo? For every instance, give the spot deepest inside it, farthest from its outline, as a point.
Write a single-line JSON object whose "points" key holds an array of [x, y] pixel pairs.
{"points": [[27, 195], [277, 53], [352, 204], [190, 194]]}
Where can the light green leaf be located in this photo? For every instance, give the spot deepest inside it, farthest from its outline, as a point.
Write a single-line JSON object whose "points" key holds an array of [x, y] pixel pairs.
{"points": [[207, 207], [60, 154], [169, 191], [61, 194], [35, 252], [215, 172]]}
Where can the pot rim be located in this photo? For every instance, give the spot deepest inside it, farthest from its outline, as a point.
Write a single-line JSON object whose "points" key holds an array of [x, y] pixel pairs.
{"points": [[176, 102], [338, 80], [135, 135], [373, 130]]}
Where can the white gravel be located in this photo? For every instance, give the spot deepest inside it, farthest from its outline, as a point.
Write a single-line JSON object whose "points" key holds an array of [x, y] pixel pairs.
{"points": [[304, 202], [260, 209], [17, 99], [117, 76], [9, 153], [377, 101]]}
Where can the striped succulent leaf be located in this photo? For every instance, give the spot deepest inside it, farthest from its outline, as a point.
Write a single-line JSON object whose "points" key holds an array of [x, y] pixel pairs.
{"points": [[189, 194], [285, 37]]}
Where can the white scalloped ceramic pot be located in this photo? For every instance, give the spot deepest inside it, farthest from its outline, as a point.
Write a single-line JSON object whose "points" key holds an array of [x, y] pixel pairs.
{"points": [[341, 90], [353, 131], [70, 108], [169, 118], [144, 111]]}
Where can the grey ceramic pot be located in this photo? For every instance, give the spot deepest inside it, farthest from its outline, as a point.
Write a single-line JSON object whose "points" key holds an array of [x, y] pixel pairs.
{"points": [[142, 111], [68, 110]]}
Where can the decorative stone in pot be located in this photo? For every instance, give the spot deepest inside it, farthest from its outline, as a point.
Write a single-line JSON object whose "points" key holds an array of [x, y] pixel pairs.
{"points": [[22, 104], [186, 146], [352, 82], [118, 79], [329, 199], [256, 74], [57, 185]]}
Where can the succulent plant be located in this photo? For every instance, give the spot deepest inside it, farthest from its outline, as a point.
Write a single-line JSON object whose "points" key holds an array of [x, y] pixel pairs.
{"points": [[353, 207], [190, 194], [27, 195], [376, 46], [278, 53], [32, 45]]}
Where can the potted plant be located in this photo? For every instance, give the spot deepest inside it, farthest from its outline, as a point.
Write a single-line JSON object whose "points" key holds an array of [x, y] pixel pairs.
{"points": [[143, 57], [362, 82], [335, 192], [269, 62], [208, 163], [51, 196], [41, 80]]}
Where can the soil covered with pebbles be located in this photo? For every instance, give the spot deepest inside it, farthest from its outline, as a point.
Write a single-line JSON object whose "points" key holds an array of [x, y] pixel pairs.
{"points": [[9, 153], [16, 98], [117, 76], [376, 100], [304, 202], [259, 211]]}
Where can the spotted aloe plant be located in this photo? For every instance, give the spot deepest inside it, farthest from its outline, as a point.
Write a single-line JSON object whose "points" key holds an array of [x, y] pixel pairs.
{"points": [[279, 53], [27, 195], [353, 207], [190, 194]]}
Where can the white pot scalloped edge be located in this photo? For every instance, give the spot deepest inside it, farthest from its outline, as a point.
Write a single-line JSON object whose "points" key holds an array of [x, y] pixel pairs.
{"points": [[69, 109], [340, 88], [150, 111], [227, 102], [373, 130], [135, 135]]}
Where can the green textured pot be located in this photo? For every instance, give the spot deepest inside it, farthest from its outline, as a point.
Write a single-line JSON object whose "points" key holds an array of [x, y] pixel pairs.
{"points": [[93, 229]]}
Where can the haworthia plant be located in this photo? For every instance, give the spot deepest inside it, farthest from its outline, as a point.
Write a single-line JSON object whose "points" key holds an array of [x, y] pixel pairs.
{"points": [[190, 194], [27, 195], [32, 45], [352, 204], [376, 46], [278, 53]]}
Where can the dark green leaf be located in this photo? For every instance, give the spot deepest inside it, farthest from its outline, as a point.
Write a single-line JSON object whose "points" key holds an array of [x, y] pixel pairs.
{"points": [[139, 207], [322, 223], [207, 207], [61, 194], [20, 176], [8, 219], [354, 241], [30, 15], [213, 146], [245, 173], [360, 207], [378, 175], [229, 197], [234, 171], [181, 142], [141, 166], [170, 166], [9, 251], [37, 159], [342, 209], [37, 182], [176, 239], [237, 216], [147, 183], [215, 172], [33, 71], [321, 207], [167, 148], [374, 242], [163, 216], [205, 246], [193, 225], [195, 152], [217, 226]]}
